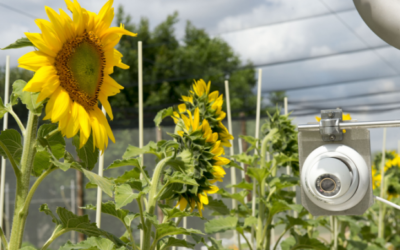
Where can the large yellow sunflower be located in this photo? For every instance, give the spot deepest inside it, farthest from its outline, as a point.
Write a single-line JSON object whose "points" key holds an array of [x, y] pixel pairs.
{"points": [[74, 60]]}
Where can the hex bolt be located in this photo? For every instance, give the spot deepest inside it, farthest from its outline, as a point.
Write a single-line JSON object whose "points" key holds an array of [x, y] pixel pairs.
{"points": [[332, 137]]}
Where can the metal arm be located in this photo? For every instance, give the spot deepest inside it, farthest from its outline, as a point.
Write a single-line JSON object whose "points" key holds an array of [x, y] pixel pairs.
{"points": [[353, 125]]}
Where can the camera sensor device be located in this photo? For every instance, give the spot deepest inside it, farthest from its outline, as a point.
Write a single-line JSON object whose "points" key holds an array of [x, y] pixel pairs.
{"points": [[335, 174]]}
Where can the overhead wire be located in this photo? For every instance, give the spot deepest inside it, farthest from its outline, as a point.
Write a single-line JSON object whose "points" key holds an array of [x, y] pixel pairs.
{"points": [[17, 11]]}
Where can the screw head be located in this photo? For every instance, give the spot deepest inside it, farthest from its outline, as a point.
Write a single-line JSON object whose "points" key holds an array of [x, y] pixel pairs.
{"points": [[330, 115], [332, 137]]}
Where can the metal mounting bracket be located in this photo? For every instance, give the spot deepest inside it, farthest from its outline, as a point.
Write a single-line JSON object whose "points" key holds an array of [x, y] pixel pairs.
{"points": [[329, 125]]}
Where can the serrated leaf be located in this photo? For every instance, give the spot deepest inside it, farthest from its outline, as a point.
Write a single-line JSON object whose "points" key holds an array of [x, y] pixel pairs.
{"points": [[20, 43], [109, 208], [125, 162], [169, 229], [162, 114], [217, 206], [62, 165], [41, 162], [28, 248], [45, 209], [106, 185], [246, 159], [87, 154], [11, 139], [250, 221], [173, 242], [92, 243], [237, 196], [179, 177], [127, 176], [220, 224], [27, 98], [56, 142], [297, 241], [243, 184], [258, 173], [82, 224], [133, 151], [124, 195], [174, 212], [234, 165]]}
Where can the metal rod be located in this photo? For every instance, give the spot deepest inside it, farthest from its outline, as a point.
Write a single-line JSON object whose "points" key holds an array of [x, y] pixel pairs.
{"points": [[5, 126], [73, 208], [140, 89], [383, 191], [353, 125]]}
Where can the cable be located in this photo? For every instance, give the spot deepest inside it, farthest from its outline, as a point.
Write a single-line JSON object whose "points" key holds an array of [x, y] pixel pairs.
{"points": [[346, 97], [191, 77], [387, 202], [18, 11], [359, 37]]}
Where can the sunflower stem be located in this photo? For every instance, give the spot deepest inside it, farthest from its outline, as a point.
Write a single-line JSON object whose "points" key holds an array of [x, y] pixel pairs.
{"points": [[16, 118], [152, 201], [28, 155]]}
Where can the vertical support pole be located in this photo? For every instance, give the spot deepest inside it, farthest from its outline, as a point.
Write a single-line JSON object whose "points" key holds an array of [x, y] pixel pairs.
{"points": [[73, 208], [229, 115], [160, 215], [5, 126], [232, 152], [99, 191], [140, 88], [257, 134], [80, 199], [381, 226], [7, 204], [335, 233], [242, 165]]}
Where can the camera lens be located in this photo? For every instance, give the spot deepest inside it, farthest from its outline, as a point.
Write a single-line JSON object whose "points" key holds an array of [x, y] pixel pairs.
{"points": [[327, 184]]}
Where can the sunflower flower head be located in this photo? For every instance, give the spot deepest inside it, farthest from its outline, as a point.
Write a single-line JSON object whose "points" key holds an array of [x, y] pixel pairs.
{"points": [[199, 129], [72, 66]]}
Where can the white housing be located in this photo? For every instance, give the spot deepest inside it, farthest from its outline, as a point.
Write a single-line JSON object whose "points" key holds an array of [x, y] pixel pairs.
{"points": [[343, 170]]}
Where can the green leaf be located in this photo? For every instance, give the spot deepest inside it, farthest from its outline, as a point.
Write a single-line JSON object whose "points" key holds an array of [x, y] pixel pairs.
{"points": [[234, 165], [162, 114], [169, 229], [106, 185], [41, 162], [297, 241], [45, 209], [250, 221], [179, 177], [132, 151], [277, 206], [88, 154], [92, 243], [124, 195], [12, 141], [216, 244], [56, 142], [283, 181], [177, 243], [246, 159], [217, 206], [243, 184], [174, 212], [127, 176], [27, 98], [82, 224], [237, 196], [125, 162], [20, 43], [3, 109], [220, 225], [28, 248], [109, 208], [62, 165], [258, 173]]}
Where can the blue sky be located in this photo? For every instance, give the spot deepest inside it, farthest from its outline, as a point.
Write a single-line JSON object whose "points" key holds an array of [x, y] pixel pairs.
{"points": [[246, 26]]}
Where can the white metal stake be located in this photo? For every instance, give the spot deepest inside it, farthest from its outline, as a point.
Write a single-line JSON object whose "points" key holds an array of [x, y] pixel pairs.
{"points": [[242, 165], [7, 203], [99, 191], [381, 215], [233, 172], [73, 208], [232, 152], [258, 113], [5, 126], [140, 88]]}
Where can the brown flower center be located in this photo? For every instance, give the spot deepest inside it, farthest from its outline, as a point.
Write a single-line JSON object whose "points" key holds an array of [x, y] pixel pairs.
{"points": [[80, 65]]}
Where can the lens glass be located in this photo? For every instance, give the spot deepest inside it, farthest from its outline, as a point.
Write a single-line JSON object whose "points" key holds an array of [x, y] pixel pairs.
{"points": [[327, 185]]}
